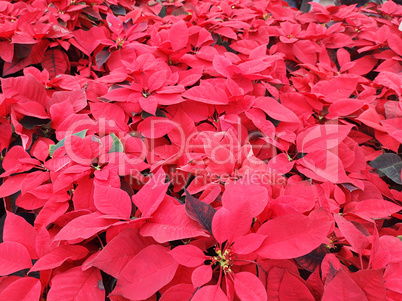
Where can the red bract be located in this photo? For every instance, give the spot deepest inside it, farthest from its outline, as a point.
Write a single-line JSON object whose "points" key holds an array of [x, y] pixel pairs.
{"points": [[200, 150]]}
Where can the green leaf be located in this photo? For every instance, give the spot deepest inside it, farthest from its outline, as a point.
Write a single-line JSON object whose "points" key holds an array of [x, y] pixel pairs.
{"points": [[117, 146], [53, 148], [390, 165], [163, 11]]}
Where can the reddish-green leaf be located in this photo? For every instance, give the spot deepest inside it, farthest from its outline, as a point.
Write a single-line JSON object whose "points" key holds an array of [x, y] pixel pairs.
{"points": [[199, 211], [313, 260], [55, 62]]}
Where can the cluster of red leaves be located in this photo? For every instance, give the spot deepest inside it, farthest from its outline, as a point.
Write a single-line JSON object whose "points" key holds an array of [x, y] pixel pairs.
{"points": [[200, 150]]}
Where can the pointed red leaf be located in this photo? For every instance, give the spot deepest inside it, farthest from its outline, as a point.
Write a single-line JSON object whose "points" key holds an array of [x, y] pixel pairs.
{"points": [[178, 35], [323, 165], [223, 65], [23, 289], [354, 236], [156, 80], [150, 270], [156, 127], [13, 258], [244, 46], [151, 194], [113, 258], [84, 227], [371, 282], [75, 284], [372, 208], [275, 110], [201, 275], [249, 287], [294, 288], [393, 127], [292, 235], [7, 51], [12, 185], [188, 255], [29, 89], [343, 288], [58, 256], [35, 57], [90, 39], [305, 51], [250, 195], [17, 229], [170, 222], [207, 93], [181, 291], [337, 88], [248, 243], [228, 225], [210, 293], [112, 201], [320, 137]]}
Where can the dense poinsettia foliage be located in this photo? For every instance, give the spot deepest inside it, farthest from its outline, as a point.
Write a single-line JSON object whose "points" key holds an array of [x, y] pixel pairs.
{"points": [[200, 150]]}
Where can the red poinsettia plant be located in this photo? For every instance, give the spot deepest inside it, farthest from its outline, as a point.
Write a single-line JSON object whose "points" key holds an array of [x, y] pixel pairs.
{"points": [[200, 150]]}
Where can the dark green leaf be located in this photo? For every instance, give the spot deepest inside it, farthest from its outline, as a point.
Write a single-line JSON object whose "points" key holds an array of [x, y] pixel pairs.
{"points": [[30, 122], [117, 146], [390, 165], [118, 10], [163, 11]]}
